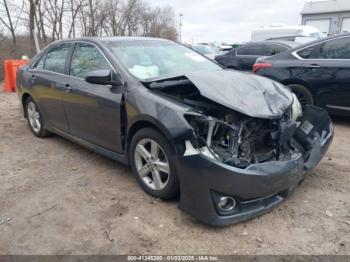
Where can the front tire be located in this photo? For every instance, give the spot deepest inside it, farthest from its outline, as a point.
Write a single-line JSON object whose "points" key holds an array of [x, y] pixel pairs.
{"points": [[34, 118], [151, 158]]}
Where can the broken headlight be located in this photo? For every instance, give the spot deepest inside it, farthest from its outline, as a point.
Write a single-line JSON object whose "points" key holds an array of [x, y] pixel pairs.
{"points": [[235, 141]]}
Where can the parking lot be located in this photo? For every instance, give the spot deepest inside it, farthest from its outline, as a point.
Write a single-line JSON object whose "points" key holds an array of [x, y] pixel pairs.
{"points": [[59, 198]]}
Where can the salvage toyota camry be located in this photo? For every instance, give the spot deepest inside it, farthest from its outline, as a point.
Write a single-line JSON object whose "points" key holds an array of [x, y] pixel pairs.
{"points": [[232, 146]]}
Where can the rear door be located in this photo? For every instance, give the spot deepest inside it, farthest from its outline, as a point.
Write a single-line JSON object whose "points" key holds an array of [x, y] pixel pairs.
{"points": [[93, 111], [248, 55], [47, 76], [327, 69]]}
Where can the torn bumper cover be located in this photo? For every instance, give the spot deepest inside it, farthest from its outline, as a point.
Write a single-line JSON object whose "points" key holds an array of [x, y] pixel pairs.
{"points": [[257, 188]]}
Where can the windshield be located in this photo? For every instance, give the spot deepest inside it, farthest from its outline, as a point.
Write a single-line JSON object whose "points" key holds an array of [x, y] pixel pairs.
{"points": [[147, 59], [205, 50]]}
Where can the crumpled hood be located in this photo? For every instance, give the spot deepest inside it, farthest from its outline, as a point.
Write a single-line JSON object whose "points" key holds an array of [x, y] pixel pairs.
{"points": [[249, 94]]}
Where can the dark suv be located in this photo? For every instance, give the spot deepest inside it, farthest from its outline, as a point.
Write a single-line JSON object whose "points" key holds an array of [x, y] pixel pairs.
{"points": [[317, 72]]}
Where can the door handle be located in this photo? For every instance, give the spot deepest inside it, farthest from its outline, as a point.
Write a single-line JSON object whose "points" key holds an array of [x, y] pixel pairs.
{"points": [[66, 87], [313, 66], [32, 77]]}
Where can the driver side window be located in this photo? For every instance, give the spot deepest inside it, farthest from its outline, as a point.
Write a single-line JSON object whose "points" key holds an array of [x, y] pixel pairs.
{"points": [[87, 58]]}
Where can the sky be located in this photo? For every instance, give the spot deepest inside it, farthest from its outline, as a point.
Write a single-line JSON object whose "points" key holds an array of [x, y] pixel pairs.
{"points": [[230, 21]]}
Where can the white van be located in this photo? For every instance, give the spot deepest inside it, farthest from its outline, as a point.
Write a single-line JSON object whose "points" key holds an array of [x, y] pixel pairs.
{"points": [[302, 33]]}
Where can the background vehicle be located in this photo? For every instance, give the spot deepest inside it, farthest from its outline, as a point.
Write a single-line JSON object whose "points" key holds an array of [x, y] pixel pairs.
{"points": [[218, 47], [206, 50], [225, 48], [274, 32], [297, 39], [318, 72], [243, 58]]}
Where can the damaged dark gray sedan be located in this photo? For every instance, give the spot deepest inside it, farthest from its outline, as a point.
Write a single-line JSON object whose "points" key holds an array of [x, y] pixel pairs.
{"points": [[232, 146]]}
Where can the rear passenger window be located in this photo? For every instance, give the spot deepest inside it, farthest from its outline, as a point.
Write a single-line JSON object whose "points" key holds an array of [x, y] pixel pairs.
{"points": [[56, 58], [336, 49], [87, 58], [274, 49], [251, 50]]}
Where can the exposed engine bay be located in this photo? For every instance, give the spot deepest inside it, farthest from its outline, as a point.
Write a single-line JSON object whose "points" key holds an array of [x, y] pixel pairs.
{"points": [[228, 136]]}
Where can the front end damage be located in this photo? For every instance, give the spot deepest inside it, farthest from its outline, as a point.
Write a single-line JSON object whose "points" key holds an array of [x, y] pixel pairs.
{"points": [[237, 164], [257, 168]]}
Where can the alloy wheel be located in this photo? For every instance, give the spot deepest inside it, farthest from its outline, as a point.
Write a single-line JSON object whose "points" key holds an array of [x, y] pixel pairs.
{"points": [[33, 117], [152, 164]]}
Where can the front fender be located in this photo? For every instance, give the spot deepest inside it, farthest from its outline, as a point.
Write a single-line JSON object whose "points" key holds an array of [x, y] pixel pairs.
{"points": [[159, 110]]}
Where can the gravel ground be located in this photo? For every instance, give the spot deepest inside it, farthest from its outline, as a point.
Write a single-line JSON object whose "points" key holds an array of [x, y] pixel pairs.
{"points": [[59, 198]]}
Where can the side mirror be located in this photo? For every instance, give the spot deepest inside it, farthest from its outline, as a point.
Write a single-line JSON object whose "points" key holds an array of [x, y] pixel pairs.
{"points": [[103, 77]]}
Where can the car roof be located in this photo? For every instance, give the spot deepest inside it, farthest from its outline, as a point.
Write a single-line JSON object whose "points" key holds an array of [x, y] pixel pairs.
{"points": [[291, 44], [320, 40], [284, 42], [111, 38]]}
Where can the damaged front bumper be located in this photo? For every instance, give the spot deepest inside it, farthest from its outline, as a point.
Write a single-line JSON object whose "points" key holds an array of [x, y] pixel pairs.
{"points": [[257, 188]]}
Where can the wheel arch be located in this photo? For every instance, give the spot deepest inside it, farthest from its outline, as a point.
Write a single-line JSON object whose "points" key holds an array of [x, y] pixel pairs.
{"points": [[25, 96], [141, 123], [307, 86], [298, 82]]}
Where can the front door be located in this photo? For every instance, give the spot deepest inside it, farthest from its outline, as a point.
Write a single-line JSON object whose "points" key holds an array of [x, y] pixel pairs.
{"points": [[93, 111]]}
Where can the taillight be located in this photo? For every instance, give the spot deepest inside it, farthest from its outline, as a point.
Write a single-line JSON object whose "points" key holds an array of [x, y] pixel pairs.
{"points": [[258, 66]]}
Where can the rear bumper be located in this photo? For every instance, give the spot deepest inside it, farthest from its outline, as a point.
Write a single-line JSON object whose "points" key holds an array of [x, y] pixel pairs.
{"points": [[258, 188]]}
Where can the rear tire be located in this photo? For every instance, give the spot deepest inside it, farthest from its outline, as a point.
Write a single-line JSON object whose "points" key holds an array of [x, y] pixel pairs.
{"points": [[303, 94], [34, 118], [152, 163]]}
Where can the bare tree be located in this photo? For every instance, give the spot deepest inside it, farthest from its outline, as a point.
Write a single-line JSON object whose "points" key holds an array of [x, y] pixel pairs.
{"points": [[112, 12], [56, 19], [158, 22], [12, 18], [41, 23], [54, 13], [75, 7], [32, 11]]}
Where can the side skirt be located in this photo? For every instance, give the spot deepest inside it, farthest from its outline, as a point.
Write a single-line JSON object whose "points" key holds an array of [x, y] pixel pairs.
{"points": [[93, 147]]}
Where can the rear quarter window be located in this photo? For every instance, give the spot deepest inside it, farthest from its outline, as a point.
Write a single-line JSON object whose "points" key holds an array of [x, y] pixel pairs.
{"points": [[40, 63], [311, 52]]}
